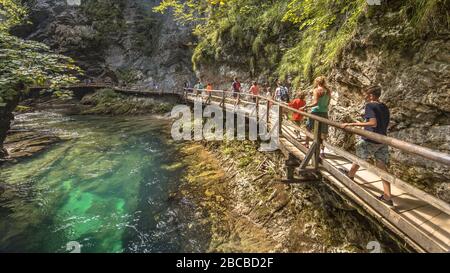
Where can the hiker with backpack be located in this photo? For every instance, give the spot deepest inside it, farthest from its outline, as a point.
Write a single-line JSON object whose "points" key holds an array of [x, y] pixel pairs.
{"points": [[281, 93], [198, 86], [236, 88]]}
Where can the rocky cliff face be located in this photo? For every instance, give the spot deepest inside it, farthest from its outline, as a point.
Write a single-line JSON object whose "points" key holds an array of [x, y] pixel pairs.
{"points": [[413, 67], [414, 72], [125, 42], [122, 41]]}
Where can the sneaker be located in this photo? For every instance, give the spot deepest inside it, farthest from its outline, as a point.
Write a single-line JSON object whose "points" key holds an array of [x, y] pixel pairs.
{"points": [[344, 171], [384, 200]]}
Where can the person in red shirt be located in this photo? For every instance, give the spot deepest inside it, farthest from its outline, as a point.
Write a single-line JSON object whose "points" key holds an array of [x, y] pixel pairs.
{"points": [[298, 103], [209, 89], [236, 88], [254, 90]]}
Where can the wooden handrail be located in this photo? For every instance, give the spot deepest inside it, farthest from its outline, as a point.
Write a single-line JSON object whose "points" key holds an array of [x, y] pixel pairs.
{"points": [[438, 203], [430, 154], [433, 155], [402, 145]]}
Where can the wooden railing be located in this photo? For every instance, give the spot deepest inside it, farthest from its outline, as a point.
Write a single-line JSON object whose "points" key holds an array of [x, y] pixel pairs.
{"points": [[314, 152], [77, 85]]}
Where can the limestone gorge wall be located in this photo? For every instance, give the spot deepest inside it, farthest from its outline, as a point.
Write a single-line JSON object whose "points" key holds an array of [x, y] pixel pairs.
{"points": [[401, 45], [118, 40], [414, 72]]}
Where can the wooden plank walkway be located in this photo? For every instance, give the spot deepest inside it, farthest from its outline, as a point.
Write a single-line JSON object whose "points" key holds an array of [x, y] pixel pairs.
{"points": [[421, 225]]}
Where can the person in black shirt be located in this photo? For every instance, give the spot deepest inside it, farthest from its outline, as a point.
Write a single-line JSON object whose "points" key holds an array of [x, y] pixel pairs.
{"points": [[376, 117]]}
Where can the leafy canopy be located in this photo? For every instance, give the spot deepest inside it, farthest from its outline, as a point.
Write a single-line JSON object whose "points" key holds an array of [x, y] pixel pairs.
{"points": [[275, 38], [25, 63]]}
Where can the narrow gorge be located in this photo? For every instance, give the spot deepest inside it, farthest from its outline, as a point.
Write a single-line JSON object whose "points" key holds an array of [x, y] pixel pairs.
{"points": [[98, 166]]}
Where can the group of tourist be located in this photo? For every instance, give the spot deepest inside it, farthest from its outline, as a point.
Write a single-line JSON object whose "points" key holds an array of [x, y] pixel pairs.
{"points": [[376, 117]]}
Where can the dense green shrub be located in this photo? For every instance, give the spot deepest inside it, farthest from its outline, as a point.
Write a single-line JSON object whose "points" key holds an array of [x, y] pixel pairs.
{"points": [[295, 39]]}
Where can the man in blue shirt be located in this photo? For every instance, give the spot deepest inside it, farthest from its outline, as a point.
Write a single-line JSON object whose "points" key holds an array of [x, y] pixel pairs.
{"points": [[376, 117]]}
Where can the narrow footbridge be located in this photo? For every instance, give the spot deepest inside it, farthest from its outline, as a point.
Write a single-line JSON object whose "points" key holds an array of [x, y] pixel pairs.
{"points": [[419, 218]]}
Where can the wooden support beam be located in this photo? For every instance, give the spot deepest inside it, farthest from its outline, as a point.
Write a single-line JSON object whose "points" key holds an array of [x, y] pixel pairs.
{"points": [[222, 103], [280, 120], [311, 152], [428, 243], [257, 114], [430, 199], [317, 142]]}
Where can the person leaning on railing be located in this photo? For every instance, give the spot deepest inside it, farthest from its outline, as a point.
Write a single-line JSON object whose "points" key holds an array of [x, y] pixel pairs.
{"points": [[377, 117], [319, 107]]}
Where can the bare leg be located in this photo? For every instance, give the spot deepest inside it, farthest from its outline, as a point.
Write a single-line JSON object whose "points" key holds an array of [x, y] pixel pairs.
{"points": [[386, 185], [307, 142], [324, 137], [237, 100]]}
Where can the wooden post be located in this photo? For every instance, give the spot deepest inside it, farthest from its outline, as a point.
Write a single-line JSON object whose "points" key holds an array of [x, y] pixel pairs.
{"points": [[257, 112], [291, 163], [318, 142], [223, 100], [280, 120]]}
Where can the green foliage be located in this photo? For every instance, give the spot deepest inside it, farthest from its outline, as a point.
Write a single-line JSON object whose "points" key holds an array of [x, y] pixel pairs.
{"points": [[326, 27], [127, 75], [106, 17], [11, 14], [146, 31], [62, 94], [109, 102], [425, 15], [291, 39], [24, 63], [288, 38]]}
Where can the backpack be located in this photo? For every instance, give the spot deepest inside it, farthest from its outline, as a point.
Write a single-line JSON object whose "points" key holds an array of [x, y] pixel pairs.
{"points": [[236, 86], [284, 94]]}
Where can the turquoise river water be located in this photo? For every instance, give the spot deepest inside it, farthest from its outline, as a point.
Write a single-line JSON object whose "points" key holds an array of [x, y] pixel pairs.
{"points": [[105, 189]]}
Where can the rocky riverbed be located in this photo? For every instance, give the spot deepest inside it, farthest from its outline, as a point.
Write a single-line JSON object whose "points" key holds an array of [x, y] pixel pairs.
{"points": [[23, 140], [249, 209]]}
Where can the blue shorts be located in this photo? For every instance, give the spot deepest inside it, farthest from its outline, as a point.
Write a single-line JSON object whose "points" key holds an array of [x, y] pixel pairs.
{"points": [[323, 128]]}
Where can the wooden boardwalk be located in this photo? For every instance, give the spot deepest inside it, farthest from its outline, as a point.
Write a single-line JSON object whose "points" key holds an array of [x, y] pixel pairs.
{"points": [[422, 225], [420, 219], [132, 89]]}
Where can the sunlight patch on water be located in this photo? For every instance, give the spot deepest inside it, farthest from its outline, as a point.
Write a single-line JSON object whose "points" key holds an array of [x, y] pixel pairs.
{"points": [[105, 188]]}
